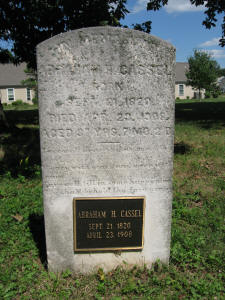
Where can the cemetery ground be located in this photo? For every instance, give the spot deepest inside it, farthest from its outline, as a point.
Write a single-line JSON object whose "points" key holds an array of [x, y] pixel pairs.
{"points": [[196, 269]]}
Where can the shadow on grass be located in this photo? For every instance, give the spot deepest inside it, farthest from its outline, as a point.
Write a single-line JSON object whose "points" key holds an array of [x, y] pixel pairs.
{"points": [[20, 143], [205, 114], [181, 148], [20, 151], [37, 228], [25, 117]]}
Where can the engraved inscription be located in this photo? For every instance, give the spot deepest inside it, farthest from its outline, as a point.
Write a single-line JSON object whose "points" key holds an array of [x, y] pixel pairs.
{"points": [[62, 118], [106, 132]]}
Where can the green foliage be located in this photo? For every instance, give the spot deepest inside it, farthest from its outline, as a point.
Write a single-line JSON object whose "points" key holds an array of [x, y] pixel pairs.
{"points": [[17, 103], [202, 72], [19, 106], [6, 56], [207, 94], [27, 23], [31, 81], [215, 91], [145, 27], [35, 101]]}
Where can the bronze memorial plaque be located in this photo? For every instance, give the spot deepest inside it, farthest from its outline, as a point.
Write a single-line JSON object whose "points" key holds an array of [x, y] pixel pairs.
{"points": [[111, 223]]}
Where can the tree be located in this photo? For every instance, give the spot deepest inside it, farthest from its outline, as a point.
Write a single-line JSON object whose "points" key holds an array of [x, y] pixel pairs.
{"points": [[145, 27], [27, 23], [212, 8], [203, 71]]}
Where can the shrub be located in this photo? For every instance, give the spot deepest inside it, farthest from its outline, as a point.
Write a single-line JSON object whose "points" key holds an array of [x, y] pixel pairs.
{"points": [[35, 100], [207, 94], [216, 93], [188, 97], [17, 103], [178, 98]]}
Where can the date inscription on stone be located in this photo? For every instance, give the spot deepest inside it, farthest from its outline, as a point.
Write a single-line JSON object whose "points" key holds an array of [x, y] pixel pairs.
{"points": [[112, 223]]}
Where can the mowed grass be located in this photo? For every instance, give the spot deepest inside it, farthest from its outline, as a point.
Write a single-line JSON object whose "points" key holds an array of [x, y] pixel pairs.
{"points": [[196, 269]]}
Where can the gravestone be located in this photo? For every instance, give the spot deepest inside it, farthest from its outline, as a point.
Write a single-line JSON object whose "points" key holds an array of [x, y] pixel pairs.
{"points": [[106, 101]]}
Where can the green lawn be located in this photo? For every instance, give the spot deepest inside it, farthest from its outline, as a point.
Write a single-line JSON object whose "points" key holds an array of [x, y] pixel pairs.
{"points": [[16, 106], [221, 98], [196, 269]]}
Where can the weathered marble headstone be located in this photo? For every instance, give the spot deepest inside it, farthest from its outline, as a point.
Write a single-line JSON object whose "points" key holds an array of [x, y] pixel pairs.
{"points": [[106, 100]]}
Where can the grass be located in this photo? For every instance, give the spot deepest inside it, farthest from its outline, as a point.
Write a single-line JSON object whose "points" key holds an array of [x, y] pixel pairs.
{"points": [[18, 106], [221, 98], [196, 269]]}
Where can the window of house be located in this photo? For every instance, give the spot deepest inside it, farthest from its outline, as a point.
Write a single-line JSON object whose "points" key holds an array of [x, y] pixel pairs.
{"points": [[11, 95], [181, 90], [28, 94]]}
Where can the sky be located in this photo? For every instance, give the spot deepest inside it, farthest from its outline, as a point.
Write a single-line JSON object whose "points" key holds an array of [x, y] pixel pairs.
{"points": [[180, 23]]}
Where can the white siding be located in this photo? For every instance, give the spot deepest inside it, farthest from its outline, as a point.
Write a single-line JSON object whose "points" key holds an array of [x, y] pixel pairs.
{"points": [[189, 92], [20, 94]]}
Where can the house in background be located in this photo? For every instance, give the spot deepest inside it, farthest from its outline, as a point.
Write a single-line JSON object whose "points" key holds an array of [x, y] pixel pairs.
{"points": [[221, 83], [11, 88], [182, 90]]}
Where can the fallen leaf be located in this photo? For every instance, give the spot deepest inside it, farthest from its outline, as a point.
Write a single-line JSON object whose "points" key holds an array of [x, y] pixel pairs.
{"points": [[18, 217]]}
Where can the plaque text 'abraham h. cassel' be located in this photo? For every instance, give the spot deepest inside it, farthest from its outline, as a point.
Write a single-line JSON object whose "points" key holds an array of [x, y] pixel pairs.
{"points": [[106, 101]]}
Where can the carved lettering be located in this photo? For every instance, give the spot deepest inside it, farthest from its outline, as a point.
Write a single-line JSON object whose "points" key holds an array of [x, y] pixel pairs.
{"points": [[57, 133], [62, 118]]}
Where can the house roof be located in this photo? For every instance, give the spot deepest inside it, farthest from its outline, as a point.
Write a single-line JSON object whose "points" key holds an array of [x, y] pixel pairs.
{"points": [[12, 75], [221, 79], [181, 68]]}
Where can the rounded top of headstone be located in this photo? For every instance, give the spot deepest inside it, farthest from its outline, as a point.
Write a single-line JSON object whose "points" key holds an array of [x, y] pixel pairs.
{"points": [[109, 30]]}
